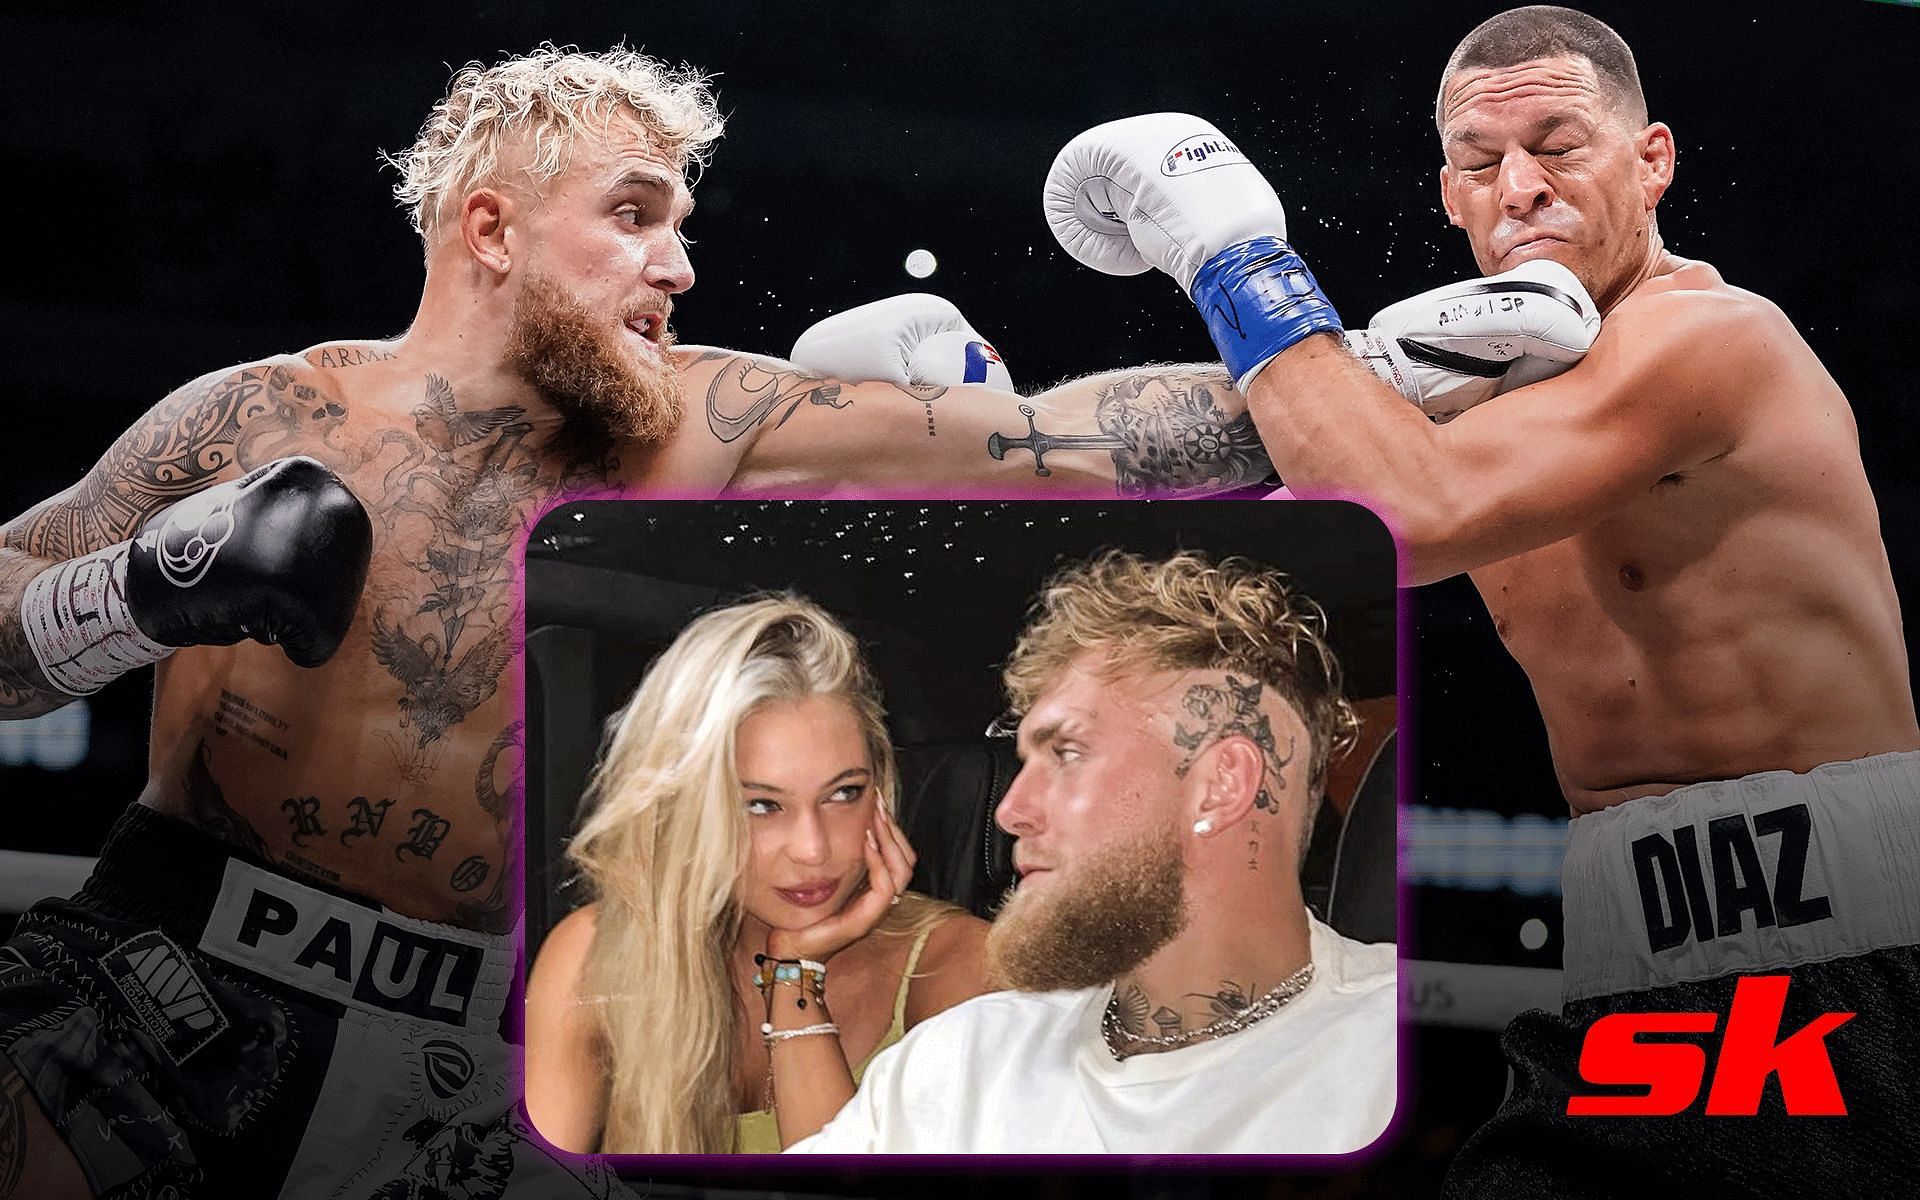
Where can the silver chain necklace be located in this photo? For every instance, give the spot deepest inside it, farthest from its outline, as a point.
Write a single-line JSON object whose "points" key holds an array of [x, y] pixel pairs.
{"points": [[1233, 1022]]}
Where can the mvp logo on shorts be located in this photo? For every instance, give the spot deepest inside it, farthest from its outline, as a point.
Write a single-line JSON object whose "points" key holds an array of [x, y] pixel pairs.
{"points": [[165, 993]]}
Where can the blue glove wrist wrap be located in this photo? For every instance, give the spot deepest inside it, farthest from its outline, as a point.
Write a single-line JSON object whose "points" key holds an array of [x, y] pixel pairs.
{"points": [[1258, 299]]}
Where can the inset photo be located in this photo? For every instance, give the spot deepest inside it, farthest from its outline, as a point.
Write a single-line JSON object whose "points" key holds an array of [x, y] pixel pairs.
{"points": [[941, 828]]}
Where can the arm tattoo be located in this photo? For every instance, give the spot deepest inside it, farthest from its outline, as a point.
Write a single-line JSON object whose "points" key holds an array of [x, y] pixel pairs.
{"points": [[228, 421], [1225, 712], [744, 394], [1166, 432], [170, 455], [748, 390], [23, 689], [244, 418]]}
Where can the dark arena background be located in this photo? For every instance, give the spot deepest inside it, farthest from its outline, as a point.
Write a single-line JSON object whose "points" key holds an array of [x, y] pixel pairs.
{"points": [[196, 185]]}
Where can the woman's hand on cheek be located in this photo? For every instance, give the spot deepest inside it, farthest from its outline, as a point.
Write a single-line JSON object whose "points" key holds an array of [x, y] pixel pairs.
{"points": [[890, 863]]}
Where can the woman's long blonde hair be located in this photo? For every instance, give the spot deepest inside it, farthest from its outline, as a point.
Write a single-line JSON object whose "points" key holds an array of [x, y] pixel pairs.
{"points": [[663, 846]]}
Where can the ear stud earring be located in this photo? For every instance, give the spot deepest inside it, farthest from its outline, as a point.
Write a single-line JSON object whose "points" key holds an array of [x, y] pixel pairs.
{"points": [[1203, 826]]}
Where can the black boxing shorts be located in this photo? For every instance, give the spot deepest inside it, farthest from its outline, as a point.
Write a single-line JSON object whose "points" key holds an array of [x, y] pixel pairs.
{"points": [[196, 1024], [1714, 900]]}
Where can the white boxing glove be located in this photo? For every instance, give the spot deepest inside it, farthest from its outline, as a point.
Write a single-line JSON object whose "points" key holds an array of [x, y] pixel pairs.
{"points": [[912, 339], [1163, 190], [1460, 345], [1170, 191]]}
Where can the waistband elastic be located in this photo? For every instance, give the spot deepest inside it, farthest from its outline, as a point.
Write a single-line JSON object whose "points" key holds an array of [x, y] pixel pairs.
{"points": [[1743, 875], [233, 906]]}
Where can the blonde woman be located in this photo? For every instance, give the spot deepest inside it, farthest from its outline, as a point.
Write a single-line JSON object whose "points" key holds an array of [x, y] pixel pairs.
{"points": [[750, 944]]}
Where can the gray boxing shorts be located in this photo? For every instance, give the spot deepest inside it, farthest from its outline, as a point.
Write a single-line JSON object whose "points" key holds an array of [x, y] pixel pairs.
{"points": [[197, 1024]]}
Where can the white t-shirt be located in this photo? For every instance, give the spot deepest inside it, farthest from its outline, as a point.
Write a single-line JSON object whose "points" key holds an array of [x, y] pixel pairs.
{"points": [[1029, 1073]]}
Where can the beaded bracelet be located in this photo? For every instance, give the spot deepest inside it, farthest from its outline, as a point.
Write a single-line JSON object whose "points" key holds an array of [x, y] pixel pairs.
{"points": [[770, 1035], [800, 972]]}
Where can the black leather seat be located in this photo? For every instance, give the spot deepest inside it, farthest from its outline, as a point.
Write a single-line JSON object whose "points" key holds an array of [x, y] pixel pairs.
{"points": [[1363, 887], [948, 794]]}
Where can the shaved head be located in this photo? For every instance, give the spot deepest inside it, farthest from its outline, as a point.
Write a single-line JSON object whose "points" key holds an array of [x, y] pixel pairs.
{"points": [[1540, 31]]}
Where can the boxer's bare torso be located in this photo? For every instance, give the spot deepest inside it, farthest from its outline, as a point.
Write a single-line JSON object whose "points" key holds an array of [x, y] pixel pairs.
{"points": [[387, 771], [1739, 616]]}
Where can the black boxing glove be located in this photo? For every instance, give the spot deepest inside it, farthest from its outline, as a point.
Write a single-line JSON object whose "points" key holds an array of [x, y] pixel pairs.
{"points": [[279, 555]]}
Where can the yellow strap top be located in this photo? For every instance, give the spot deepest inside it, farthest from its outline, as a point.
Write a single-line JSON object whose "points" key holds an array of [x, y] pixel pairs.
{"points": [[758, 1132]]}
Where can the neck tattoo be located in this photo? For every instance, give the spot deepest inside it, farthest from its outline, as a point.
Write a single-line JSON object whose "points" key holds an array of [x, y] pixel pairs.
{"points": [[1120, 1043]]}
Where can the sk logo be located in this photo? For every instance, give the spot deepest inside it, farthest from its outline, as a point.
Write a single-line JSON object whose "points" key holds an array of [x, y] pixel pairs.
{"points": [[1669, 1072]]}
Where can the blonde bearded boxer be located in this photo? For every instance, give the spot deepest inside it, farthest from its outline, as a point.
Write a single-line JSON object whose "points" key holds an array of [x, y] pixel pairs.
{"points": [[291, 960], [1171, 994], [1678, 543]]}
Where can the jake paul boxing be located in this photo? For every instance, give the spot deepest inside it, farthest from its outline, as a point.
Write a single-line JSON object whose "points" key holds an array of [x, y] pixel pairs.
{"points": [[1676, 541], [212, 1015]]}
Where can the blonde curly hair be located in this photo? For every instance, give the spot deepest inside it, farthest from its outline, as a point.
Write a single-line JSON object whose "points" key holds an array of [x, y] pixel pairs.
{"points": [[549, 97], [1186, 613]]}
